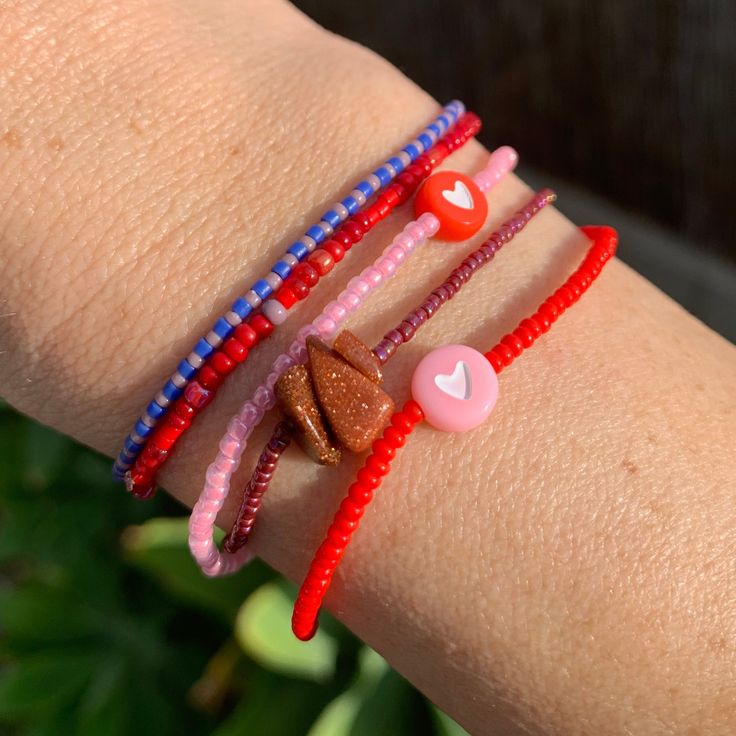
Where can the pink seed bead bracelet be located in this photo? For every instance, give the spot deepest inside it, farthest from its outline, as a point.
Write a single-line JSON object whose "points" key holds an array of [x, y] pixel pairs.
{"points": [[234, 441], [264, 288]]}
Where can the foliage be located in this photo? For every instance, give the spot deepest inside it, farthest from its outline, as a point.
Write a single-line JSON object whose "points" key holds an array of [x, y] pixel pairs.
{"points": [[109, 629]]}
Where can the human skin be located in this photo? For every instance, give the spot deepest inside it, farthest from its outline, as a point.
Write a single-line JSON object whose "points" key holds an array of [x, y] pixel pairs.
{"points": [[568, 567]]}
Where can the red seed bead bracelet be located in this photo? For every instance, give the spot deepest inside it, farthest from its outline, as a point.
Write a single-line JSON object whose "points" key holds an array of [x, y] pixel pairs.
{"points": [[454, 389], [141, 478]]}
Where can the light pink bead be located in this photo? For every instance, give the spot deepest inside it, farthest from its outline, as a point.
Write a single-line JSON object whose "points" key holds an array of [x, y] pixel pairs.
{"points": [[350, 299], [430, 223], [373, 276], [264, 398], [215, 476], [282, 363], [237, 429], [405, 241], [359, 285], [386, 266], [227, 465], [335, 311], [396, 253], [298, 352], [417, 232], [325, 325], [305, 332], [230, 446], [250, 414]]}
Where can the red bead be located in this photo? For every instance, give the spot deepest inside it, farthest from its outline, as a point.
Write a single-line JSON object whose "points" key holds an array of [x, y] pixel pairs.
{"points": [[402, 192], [322, 261], [286, 296], [334, 249], [354, 231], [394, 437], [364, 219], [350, 510], [298, 287], [222, 363], [246, 335], [360, 493], [261, 325], [183, 408], [307, 273], [413, 412], [209, 378], [392, 196], [341, 237], [165, 437], [376, 465], [368, 478], [235, 350], [383, 450], [197, 396], [514, 344], [178, 421]]}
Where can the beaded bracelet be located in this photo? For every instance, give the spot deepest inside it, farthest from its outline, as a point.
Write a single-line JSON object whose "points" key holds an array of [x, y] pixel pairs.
{"points": [[232, 338], [234, 441], [455, 389], [333, 395]]}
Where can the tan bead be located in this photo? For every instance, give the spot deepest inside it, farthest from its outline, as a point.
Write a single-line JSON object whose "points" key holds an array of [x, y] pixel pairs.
{"points": [[359, 355], [295, 394], [356, 409]]}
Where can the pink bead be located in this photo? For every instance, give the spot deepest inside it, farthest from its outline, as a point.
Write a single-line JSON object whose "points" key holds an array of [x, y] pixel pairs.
{"points": [[305, 332], [326, 326], [215, 476], [298, 351], [237, 429], [230, 446], [396, 253], [456, 387], [250, 414], [373, 276], [283, 363], [335, 311], [405, 241], [264, 398], [227, 465], [350, 299], [359, 285], [417, 232], [430, 223], [386, 266]]}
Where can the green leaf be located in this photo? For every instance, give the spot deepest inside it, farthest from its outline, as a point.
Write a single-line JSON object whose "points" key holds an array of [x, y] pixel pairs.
{"points": [[263, 629], [159, 546], [444, 725], [43, 683], [338, 717]]}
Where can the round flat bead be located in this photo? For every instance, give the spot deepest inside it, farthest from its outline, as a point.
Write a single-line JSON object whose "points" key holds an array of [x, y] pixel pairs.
{"points": [[456, 387], [457, 203]]}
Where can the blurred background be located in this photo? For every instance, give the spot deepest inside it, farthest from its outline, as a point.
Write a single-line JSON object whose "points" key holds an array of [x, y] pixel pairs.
{"points": [[106, 626]]}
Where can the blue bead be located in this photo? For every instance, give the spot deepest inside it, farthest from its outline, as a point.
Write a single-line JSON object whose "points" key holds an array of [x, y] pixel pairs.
{"points": [[383, 175], [171, 391], [154, 410], [444, 122], [426, 141], [412, 150], [186, 369], [351, 205], [203, 348], [316, 233], [299, 250], [397, 163], [222, 328], [262, 288], [142, 430], [131, 446], [366, 188], [281, 269], [435, 129], [332, 217], [241, 308]]}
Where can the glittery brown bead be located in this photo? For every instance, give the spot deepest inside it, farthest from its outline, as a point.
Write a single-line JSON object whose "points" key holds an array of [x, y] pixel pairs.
{"points": [[358, 355], [298, 403], [355, 407]]}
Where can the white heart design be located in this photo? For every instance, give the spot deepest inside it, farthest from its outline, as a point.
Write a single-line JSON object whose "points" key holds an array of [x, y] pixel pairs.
{"points": [[458, 384], [459, 196]]}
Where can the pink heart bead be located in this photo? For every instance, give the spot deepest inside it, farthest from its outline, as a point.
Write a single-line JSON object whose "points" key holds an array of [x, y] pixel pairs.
{"points": [[456, 387]]}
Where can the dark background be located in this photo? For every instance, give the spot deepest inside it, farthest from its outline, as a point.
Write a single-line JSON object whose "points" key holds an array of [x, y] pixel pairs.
{"points": [[627, 108], [635, 101]]}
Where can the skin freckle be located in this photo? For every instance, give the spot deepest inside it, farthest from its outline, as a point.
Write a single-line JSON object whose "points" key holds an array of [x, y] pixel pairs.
{"points": [[630, 467], [11, 138]]}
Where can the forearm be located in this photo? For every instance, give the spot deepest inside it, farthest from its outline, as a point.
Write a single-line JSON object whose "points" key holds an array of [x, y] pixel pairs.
{"points": [[157, 157]]}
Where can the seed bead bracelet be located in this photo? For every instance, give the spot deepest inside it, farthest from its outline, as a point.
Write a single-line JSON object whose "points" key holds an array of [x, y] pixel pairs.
{"points": [[220, 360], [455, 389], [234, 441], [353, 408]]}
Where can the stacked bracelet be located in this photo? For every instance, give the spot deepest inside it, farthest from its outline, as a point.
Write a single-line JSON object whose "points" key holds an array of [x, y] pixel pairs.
{"points": [[233, 443], [381, 353], [216, 355], [454, 388]]}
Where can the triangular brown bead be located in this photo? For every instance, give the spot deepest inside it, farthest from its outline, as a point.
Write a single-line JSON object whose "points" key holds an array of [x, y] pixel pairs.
{"points": [[359, 355], [356, 409], [298, 403]]}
